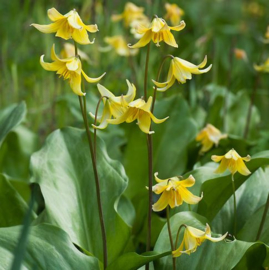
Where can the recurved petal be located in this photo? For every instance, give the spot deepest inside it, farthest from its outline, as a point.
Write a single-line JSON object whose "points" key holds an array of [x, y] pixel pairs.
{"points": [[217, 158], [81, 36], [143, 41], [48, 66], [189, 182], [241, 167], [47, 29], [105, 116], [104, 92], [178, 252], [187, 196], [75, 83], [170, 84], [120, 119], [169, 39], [178, 27], [216, 239], [92, 28], [54, 14], [196, 233], [159, 188], [131, 92], [247, 158], [157, 179], [92, 80], [73, 21], [156, 120], [162, 202]]}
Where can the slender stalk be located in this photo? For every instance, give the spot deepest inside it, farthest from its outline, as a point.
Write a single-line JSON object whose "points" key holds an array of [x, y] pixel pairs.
{"points": [[263, 218], [234, 204], [189, 206], [170, 235], [157, 79], [83, 108], [95, 121], [146, 74], [178, 232]]}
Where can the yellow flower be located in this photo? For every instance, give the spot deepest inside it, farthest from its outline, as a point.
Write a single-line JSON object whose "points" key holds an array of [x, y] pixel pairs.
{"points": [[209, 136], [138, 110], [67, 26], [131, 12], [157, 31], [233, 162], [120, 45], [181, 70], [193, 238], [135, 24], [264, 67], [69, 51], [173, 13], [114, 106], [174, 192], [70, 69]]}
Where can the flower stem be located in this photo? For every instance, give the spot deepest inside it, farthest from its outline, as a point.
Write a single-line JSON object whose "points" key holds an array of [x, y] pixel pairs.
{"points": [[83, 109], [146, 74], [170, 235], [234, 204], [178, 231], [263, 218], [157, 79]]}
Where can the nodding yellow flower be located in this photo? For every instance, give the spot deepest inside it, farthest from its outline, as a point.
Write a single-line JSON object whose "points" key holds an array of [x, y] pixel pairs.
{"points": [[120, 46], [113, 106], [69, 51], [138, 110], [262, 68], [181, 70], [174, 192], [131, 12], [135, 24], [233, 162], [173, 13], [67, 26], [193, 238], [70, 69], [240, 54], [157, 31], [209, 136]]}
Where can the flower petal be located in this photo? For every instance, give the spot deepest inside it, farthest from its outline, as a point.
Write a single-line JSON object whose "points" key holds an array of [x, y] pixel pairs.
{"points": [[92, 80], [178, 27], [105, 116], [81, 37], [216, 239], [224, 164], [75, 83], [104, 92], [92, 28], [143, 41], [73, 20], [64, 31], [187, 196], [157, 179], [162, 202], [48, 66], [217, 158], [47, 29], [169, 39], [188, 182], [55, 15], [144, 122], [241, 167]]}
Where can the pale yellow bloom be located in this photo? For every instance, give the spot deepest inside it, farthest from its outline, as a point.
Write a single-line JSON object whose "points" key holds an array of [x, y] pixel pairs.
{"points": [[181, 70], [240, 54], [113, 106], [120, 46], [264, 67], [67, 26], [233, 162], [193, 238], [173, 13], [69, 51], [174, 192], [135, 24], [138, 110], [131, 12], [70, 69], [209, 136], [157, 31]]}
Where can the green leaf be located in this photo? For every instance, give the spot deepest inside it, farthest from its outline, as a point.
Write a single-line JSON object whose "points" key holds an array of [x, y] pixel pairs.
{"points": [[48, 247], [132, 260], [11, 117], [63, 168], [219, 189], [222, 255], [250, 197], [13, 207]]}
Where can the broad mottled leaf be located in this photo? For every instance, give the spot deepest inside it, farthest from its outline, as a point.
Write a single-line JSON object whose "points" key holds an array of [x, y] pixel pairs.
{"points": [[63, 168], [48, 247]]}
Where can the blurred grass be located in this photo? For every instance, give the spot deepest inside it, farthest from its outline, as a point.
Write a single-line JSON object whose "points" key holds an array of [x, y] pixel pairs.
{"points": [[213, 28]]}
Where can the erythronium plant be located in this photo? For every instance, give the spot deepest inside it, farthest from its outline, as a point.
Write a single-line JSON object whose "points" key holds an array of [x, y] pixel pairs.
{"points": [[234, 163], [173, 192], [70, 26]]}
